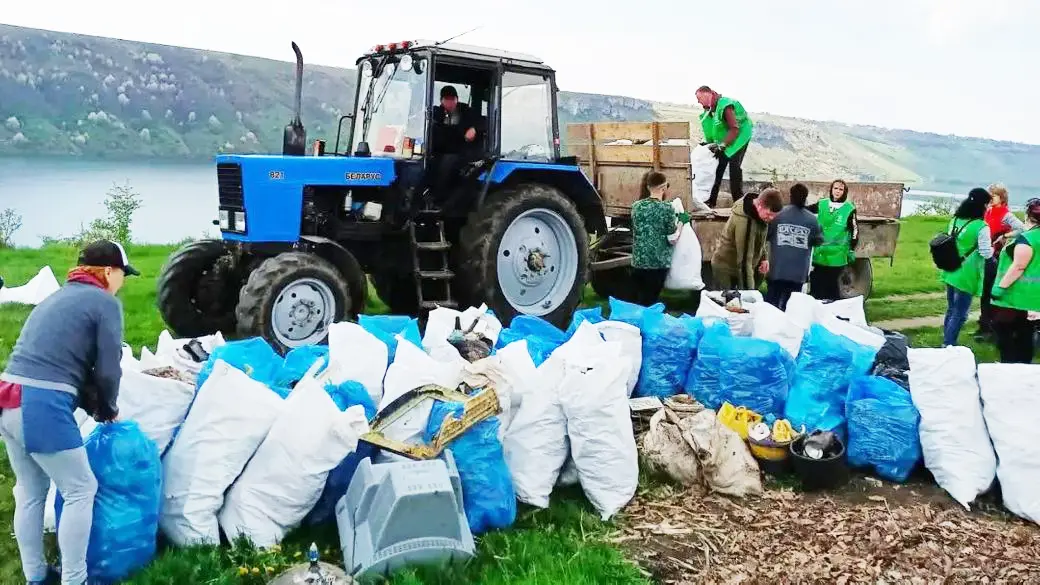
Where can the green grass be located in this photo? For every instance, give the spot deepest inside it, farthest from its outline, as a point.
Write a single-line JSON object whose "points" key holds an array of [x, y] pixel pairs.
{"points": [[563, 544]]}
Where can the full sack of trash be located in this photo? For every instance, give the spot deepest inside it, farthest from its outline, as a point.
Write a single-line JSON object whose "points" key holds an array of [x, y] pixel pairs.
{"points": [[826, 364], [129, 497], [703, 380], [883, 428], [487, 488], [669, 344], [252, 356], [756, 374], [593, 315], [1011, 399], [631, 313], [387, 327], [542, 337], [891, 360], [297, 362]]}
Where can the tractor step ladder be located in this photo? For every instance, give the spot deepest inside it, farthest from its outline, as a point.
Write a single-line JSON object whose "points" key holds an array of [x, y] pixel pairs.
{"points": [[430, 264]]}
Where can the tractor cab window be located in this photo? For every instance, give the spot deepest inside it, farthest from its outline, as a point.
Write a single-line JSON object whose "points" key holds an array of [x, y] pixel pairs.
{"points": [[393, 102], [526, 117], [472, 85]]}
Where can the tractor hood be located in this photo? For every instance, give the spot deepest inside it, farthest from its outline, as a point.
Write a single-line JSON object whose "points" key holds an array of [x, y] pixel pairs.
{"points": [[313, 170]]}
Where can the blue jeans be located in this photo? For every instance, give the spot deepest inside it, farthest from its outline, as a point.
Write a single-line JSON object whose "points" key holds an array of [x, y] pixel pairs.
{"points": [[958, 303]]}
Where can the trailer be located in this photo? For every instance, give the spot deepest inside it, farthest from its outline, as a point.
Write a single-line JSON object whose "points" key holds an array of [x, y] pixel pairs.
{"points": [[615, 155]]}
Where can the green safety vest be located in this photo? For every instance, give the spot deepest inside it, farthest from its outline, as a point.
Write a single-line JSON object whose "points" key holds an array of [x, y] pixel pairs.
{"points": [[713, 123], [967, 278], [836, 249], [1024, 293]]}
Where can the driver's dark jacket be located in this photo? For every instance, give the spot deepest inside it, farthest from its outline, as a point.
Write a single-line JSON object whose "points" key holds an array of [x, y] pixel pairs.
{"points": [[449, 130]]}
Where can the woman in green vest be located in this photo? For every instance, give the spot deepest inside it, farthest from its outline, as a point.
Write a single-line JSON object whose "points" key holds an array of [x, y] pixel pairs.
{"points": [[727, 129], [837, 217], [975, 247], [1018, 291]]}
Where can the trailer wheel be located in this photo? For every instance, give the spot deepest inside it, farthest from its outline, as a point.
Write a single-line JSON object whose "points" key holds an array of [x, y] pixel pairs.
{"points": [[525, 251], [292, 299], [856, 279], [198, 290]]}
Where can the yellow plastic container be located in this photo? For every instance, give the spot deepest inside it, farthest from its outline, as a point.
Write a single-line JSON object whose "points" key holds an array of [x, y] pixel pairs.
{"points": [[738, 418]]}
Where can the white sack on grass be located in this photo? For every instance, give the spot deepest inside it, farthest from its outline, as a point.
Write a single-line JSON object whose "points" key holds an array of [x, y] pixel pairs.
{"points": [[703, 166], [631, 341], [805, 310], [725, 462], [740, 324], [170, 352], [850, 310], [34, 292], [360, 356], [954, 438], [286, 476], [801, 308], [230, 418], [157, 405], [685, 270], [769, 322], [1011, 399], [441, 323], [510, 371], [599, 425]]}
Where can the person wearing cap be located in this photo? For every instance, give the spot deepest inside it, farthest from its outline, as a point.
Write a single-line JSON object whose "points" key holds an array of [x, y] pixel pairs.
{"points": [[455, 140], [1017, 291], [67, 357], [974, 246]]}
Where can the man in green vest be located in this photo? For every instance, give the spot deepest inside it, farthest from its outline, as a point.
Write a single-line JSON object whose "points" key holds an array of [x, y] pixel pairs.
{"points": [[727, 131], [837, 217], [1017, 291]]}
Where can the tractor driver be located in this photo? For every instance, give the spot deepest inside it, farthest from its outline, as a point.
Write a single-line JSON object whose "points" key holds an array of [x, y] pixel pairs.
{"points": [[456, 131]]}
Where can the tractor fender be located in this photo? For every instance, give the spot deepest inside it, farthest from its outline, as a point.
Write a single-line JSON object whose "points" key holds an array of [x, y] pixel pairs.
{"points": [[568, 179], [345, 262]]}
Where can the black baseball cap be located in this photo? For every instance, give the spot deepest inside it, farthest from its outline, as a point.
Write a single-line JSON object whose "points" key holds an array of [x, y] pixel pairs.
{"points": [[449, 91], [106, 253]]}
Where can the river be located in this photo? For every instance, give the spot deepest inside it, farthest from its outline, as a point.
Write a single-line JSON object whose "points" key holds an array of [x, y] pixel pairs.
{"points": [[55, 197]]}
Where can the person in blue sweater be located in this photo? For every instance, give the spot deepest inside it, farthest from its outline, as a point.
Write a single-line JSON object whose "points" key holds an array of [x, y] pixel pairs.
{"points": [[67, 356]]}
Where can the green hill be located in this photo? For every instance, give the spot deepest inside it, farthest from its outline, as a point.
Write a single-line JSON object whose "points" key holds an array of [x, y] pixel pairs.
{"points": [[67, 94]]}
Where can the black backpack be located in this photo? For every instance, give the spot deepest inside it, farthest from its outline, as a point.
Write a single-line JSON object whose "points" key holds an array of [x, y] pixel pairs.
{"points": [[944, 249]]}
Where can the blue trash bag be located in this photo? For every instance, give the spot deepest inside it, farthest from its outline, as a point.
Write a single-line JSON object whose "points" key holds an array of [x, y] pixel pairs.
{"points": [[825, 365], [593, 315], [703, 381], [668, 347], [298, 362], [883, 428], [351, 393], [253, 356], [542, 337], [337, 483], [487, 487], [387, 327], [129, 497], [755, 374], [631, 313]]}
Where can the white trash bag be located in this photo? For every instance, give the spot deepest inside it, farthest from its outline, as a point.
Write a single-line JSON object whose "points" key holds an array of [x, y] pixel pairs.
{"points": [[441, 323], [703, 167], [850, 310], [34, 292], [230, 418], [1011, 399], [769, 322], [631, 347], [685, 271], [286, 476], [954, 439], [510, 372], [360, 356], [170, 352]]}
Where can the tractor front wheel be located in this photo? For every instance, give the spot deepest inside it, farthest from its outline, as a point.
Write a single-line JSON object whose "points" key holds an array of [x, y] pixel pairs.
{"points": [[525, 251], [198, 290], [291, 300]]}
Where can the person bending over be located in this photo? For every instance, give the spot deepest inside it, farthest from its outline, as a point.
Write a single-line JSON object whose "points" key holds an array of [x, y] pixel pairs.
{"points": [[742, 248]]}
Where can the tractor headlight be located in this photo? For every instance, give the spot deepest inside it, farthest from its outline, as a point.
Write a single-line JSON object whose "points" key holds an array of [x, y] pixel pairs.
{"points": [[240, 221], [224, 219]]}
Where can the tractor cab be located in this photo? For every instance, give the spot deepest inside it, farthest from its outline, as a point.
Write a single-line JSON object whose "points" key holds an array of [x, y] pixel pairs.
{"points": [[439, 202]]}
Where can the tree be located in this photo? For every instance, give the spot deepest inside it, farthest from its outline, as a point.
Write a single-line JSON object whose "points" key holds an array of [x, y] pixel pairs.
{"points": [[10, 222]]}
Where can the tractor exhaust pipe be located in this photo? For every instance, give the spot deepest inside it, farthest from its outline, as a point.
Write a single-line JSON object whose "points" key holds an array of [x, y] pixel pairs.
{"points": [[294, 141]]}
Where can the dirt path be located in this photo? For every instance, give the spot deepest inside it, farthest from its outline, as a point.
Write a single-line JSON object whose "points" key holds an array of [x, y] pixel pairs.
{"points": [[868, 532], [917, 322]]}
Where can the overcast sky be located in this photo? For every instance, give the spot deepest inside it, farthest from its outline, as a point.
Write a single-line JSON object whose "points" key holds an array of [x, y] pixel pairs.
{"points": [[966, 67]]}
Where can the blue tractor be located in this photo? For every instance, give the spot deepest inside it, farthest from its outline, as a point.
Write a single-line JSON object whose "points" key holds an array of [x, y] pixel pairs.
{"points": [[505, 221]]}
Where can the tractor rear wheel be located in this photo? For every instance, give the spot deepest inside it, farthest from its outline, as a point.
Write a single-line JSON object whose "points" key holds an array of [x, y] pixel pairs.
{"points": [[525, 251], [291, 300], [198, 290]]}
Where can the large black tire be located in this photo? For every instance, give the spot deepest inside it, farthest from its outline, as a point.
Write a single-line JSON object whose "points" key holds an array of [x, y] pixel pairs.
{"points": [[291, 282], [482, 237], [196, 297], [856, 279]]}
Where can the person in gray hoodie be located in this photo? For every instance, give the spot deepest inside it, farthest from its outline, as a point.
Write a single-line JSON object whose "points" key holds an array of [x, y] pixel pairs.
{"points": [[791, 237]]}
